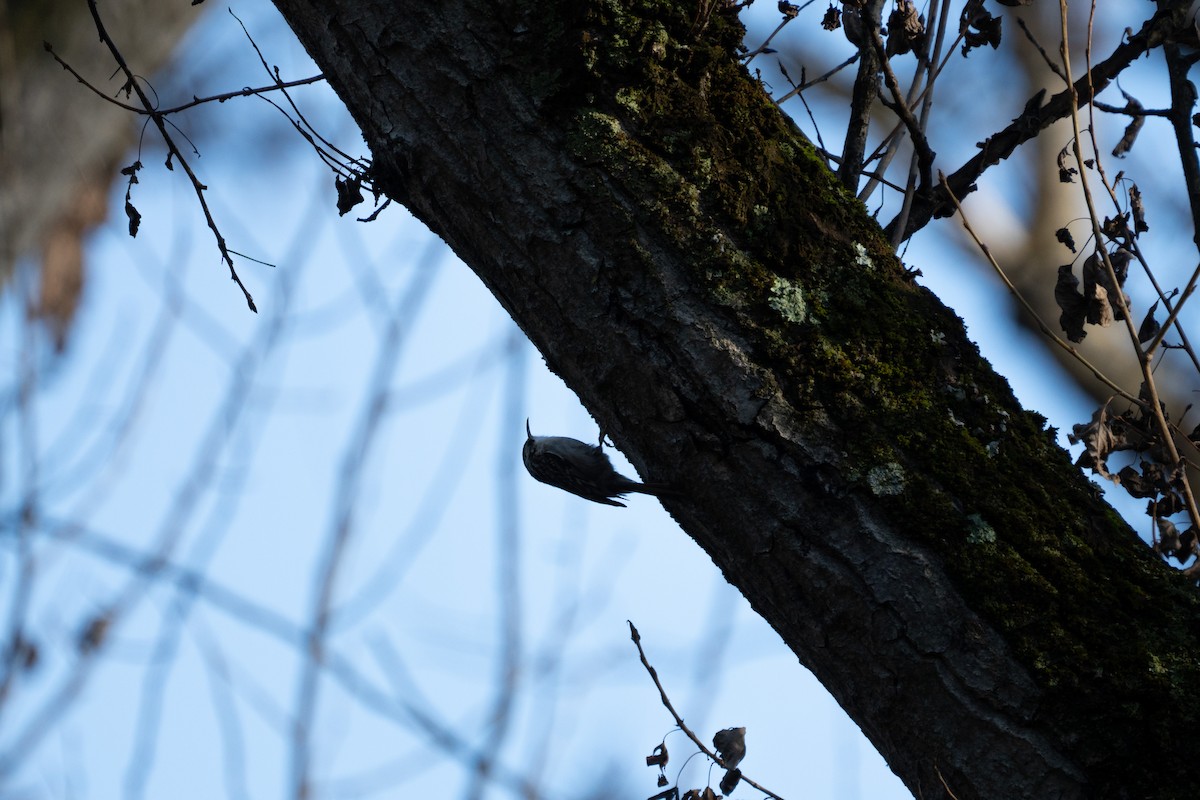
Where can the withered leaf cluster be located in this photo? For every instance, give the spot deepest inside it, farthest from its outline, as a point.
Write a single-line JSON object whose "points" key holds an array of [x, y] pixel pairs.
{"points": [[349, 193], [978, 27], [730, 745], [1150, 476], [1097, 304], [832, 19], [1137, 120], [906, 30]]}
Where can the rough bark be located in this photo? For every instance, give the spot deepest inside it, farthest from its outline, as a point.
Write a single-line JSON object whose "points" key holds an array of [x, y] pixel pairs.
{"points": [[735, 321]]}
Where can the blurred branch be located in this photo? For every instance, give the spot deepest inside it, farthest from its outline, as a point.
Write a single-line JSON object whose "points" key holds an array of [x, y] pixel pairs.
{"points": [[1042, 326], [353, 463], [508, 567]]}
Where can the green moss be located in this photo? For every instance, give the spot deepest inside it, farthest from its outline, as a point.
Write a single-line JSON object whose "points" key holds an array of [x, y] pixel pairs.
{"points": [[886, 479], [841, 331], [978, 531]]}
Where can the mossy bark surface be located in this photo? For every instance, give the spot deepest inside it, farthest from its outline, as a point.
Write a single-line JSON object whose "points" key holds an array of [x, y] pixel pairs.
{"points": [[736, 322]]}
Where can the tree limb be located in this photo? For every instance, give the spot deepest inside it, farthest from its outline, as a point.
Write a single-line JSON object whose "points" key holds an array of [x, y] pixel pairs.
{"points": [[737, 323]]}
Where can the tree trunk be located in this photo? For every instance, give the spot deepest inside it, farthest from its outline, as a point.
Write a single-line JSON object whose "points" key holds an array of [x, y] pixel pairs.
{"points": [[737, 324]]}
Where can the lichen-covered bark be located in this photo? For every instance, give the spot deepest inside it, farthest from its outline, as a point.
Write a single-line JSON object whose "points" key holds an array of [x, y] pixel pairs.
{"points": [[735, 321]]}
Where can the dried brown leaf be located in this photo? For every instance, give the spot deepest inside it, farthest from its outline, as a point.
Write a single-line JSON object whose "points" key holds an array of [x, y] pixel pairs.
{"points": [[1149, 327], [906, 29], [1064, 237], [1138, 119], [1071, 303], [1103, 436], [1139, 210]]}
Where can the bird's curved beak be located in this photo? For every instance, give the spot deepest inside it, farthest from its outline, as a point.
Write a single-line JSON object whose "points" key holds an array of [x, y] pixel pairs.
{"points": [[528, 432]]}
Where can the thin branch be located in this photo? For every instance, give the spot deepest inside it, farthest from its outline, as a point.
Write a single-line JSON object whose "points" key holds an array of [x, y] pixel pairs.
{"points": [[245, 91], [1183, 99], [1127, 111], [666, 701], [1034, 119], [1042, 326], [1154, 406], [764, 46], [924, 154], [133, 84], [887, 149], [866, 91], [1051, 63], [799, 89], [311, 133]]}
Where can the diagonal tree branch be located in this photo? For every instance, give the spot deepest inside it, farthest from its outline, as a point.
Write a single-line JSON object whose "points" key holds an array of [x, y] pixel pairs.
{"points": [[1167, 21], [737, 323]]}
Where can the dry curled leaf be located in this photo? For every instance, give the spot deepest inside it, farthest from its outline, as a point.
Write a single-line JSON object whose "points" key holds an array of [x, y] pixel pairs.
{"points": [[349, 194], [1066, 174], [1072, 304], [1099, 310], [732, 778], [135, 217], [1064, 237], [1173, 543], [1139, 210], [1168, 537], [1098, 287], [1137, 120], [730, 745], [1137, 484], [1149, 327], [1103, 436], [978, 27], [832, 19], [906, 29]]}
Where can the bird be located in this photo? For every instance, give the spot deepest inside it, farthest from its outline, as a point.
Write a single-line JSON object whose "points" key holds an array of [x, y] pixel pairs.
{"points": [[581, 469]]}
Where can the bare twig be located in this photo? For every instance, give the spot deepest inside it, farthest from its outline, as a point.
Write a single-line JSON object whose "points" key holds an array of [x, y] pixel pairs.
{"points": [[666, 701], [1042, 326], [1051, 63], [804, 85], [133, 84], [1033, 120], [748, 57], [196, 101], [1153, 405], [301, 124], [866, 91]]}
